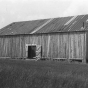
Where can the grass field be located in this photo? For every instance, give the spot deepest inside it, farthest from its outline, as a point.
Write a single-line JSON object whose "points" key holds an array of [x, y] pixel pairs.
{"points": [[42, 74]]}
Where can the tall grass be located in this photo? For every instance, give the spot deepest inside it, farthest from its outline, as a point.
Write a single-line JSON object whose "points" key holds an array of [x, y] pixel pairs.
{"points": [[22, 74]]}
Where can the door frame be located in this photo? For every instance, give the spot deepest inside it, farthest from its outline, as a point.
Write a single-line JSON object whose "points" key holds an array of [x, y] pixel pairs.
{"points": [[27, 48]]}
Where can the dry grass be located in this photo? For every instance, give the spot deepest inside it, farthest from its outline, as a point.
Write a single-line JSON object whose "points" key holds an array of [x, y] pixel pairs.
{"points": [[42, 74]]}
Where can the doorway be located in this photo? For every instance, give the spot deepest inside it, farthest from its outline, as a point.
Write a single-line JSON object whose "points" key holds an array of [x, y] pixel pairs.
{"points": [[31, 52]]}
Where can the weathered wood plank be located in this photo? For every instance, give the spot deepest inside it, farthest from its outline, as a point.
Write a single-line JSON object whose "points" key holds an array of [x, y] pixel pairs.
{"points": [[66, 45]]}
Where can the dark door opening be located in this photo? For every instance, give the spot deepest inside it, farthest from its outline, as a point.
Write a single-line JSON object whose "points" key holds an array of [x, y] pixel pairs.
{"points": [[31, 52]]}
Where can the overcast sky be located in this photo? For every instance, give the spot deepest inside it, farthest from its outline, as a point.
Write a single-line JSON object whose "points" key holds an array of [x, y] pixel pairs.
{"points": [[24, 10]]}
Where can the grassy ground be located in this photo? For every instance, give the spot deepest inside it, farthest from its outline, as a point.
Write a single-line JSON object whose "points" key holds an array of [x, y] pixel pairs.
{"points": [[42, 74]]}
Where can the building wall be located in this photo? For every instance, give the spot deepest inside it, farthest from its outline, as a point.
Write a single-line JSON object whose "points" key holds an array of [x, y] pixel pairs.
{"points": [[67, 45], [87, 46], [59, 45]]}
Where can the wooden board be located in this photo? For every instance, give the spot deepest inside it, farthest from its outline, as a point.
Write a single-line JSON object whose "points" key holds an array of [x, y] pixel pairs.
{"points": [[65, 45]]}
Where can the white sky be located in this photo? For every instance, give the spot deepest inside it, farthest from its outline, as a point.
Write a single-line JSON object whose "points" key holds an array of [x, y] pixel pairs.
{"points": [[24, 10]]}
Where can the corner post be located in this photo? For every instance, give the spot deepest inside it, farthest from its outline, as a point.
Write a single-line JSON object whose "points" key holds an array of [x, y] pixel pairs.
{"points": [[85, 49]]}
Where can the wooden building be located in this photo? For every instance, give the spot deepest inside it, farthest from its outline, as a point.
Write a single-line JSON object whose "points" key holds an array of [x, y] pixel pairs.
{"points": [[55, 38]]}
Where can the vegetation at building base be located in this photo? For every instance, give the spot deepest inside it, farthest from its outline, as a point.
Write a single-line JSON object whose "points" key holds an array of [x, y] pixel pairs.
{"points": [[42, 74]]}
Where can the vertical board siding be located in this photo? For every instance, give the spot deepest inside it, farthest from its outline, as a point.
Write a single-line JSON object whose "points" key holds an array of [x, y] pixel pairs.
{"points": [[66, 45], [76, 45], [55, 46], [87, 46], [44, 41]]}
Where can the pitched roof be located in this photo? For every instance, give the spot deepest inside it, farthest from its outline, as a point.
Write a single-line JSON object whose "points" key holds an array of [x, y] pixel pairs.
{"points": [[55, 25], [61, 24], [24, 27], [66, 24]]}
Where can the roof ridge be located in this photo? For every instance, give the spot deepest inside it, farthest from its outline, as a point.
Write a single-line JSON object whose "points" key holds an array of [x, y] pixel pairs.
{"points": [[42, 26]]}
